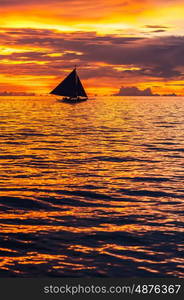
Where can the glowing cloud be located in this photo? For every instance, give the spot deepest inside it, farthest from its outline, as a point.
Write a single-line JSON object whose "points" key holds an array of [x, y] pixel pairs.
{"points": [[121, 42]]}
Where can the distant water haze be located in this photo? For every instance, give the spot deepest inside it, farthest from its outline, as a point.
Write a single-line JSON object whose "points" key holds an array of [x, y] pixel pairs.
{"points": [[92, 189]]}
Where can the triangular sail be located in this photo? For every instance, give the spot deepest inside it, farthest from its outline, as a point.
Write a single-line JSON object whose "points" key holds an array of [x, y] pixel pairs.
{"points": [[80, 90], [67, 86], [71, 86]]}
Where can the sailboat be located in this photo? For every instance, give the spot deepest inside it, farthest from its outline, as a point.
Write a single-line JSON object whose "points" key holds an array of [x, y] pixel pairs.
{"points": [[71, 89]]}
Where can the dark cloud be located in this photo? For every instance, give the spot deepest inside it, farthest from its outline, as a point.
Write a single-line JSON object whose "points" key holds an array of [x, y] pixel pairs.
{"points": [[159, 30], [156, 26], [134, 91], [160, 57], [20, 2], [9, 2]]}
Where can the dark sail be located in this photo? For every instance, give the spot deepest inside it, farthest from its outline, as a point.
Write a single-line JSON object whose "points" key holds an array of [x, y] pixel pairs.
{"points": [[80, 90], [71, 86]]}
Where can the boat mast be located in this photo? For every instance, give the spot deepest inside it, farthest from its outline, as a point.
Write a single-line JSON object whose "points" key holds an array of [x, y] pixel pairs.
{"points": [[76, 81]]}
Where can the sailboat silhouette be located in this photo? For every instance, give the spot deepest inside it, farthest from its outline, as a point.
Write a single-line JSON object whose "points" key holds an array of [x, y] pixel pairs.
{"points": [[71, 89]]}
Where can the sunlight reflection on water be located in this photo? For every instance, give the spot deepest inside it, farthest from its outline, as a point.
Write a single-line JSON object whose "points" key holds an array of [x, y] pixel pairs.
{"points": [[92, 189]]}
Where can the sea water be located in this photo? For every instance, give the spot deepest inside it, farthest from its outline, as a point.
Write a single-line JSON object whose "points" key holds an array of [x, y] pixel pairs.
{"points": [[93, 188]]}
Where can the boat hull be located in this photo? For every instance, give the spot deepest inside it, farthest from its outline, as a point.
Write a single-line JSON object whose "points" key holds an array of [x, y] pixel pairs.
{"points": [[74, 100]]}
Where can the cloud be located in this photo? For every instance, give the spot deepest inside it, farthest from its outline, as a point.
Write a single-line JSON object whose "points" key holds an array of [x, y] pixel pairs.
{"points": [[159, 30], [156, 26], [51, 52], [58, 8], [134, 91], [5, 93], [106, 13]]}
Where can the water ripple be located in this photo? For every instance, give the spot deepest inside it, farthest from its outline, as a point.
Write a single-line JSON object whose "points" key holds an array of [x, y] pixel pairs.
{"points": [[91, 190]]}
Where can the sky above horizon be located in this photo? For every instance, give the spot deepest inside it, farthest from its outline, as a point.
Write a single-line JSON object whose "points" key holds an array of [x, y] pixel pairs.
{"points": [[114, 43]]}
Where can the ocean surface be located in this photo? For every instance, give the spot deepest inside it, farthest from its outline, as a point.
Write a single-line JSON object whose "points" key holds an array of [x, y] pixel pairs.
{"points": [[94, 189]]}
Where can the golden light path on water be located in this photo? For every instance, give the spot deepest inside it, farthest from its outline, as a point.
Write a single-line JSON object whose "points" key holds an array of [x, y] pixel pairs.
{"points": [[93, 189]]}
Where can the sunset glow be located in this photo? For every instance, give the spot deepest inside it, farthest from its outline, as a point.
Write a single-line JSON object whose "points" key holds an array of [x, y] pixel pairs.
{"points": [[114, 43]]}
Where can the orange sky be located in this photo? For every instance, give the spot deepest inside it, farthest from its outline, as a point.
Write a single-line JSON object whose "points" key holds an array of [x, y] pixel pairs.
{"points": [[114, 42]]}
